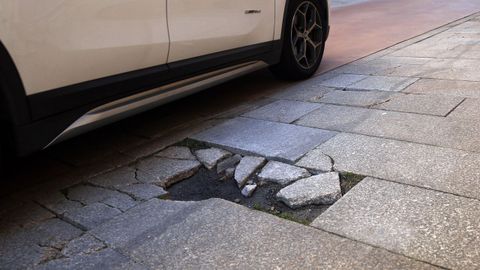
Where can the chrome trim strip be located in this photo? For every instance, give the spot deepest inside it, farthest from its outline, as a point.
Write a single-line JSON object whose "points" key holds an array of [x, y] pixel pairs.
{"points": [[141, 102]]}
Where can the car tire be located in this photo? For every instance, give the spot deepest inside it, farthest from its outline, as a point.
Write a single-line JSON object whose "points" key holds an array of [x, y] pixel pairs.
{"points": [[303, 41]]}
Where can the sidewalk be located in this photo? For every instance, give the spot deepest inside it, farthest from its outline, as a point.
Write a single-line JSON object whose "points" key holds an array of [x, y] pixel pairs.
{"points": [[406, 118]]}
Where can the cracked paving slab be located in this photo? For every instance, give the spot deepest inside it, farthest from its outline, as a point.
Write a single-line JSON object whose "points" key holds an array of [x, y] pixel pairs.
{"points": [[188, 229], [273, 140], [427, 225], [284, 111], [167, 172]]}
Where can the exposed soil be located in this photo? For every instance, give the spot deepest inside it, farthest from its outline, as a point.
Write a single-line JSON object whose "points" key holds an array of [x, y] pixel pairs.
{"points": [[208, 184]]}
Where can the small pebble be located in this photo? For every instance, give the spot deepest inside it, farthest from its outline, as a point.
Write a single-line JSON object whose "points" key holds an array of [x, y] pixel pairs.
{"points": [[238, 200]]}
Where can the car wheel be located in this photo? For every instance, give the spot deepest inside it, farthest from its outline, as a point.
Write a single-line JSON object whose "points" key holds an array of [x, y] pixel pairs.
{"points": [[303, 41]]}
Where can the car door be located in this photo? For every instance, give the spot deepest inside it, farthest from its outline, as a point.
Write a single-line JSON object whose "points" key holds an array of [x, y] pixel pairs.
{"points": [[58, 43], [202, 27]]}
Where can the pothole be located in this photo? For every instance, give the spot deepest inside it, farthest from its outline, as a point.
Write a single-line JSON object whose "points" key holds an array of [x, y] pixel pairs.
{"points": [[206, 184]]}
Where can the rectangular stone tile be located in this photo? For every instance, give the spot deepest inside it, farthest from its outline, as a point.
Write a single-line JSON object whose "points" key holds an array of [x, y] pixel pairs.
{"points": [[303, 92], [443, 169], [469, 109], [356, 98], [284, 111], [270, 139], [426, 129], [431, 226], [383, 83], [216, 234], [423, 104], [452, 69], [343, 80], [445, 87]]}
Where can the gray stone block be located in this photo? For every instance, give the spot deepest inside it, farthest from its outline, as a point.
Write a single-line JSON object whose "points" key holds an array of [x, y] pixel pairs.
{"points": [[246, 168], [356, 98], [120, 177], [270, 139], [318, 189], [92, 215], [176, 152], [383, 83], [86, 244], [284, 111], [343, 80], [425, 129], [423, 104], [445, 87], [210, 157], [317, 161], [468, 110], [447, 170], [168, 171], [426, 225], [281, 173], [243, 239], [144, 191], [228, 163]]}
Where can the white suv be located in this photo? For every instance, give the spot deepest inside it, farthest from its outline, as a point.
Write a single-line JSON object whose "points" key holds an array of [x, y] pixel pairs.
{"points": [[69, 66]]}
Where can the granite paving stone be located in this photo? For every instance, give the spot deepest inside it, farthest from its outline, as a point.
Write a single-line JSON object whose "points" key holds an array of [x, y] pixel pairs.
{"points": [[103, 259], [443, 169], [343, 80], [445, 87], [356, 98], [228, 163], [210, 157], [425, 129], [121, 177], [383, 83], [469, 110], [248, 243], [315, 160], [317, 189], [269, 139], [177, 152], [91, 216], [84, 244], [281, 173], [248, 190], [427, 225], [424, 104], [168, 171], [284, 111], [302, 92], [52, 233], [89, 194], [246, 168], [144, 191]]}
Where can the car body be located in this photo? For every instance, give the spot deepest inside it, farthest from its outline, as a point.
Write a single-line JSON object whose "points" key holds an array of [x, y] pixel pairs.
{"points": [[67, 67]]}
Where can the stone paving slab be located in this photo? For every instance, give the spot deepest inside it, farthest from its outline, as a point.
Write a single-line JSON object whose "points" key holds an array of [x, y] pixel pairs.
{"points": [[343, 80], [425, 129], [302, 92], [443, 169], [423, 104], [383, 83], [431, 226], [284, 111], [217, 234], [445, 87], [469, 109], [269, 139], [356, 98]]}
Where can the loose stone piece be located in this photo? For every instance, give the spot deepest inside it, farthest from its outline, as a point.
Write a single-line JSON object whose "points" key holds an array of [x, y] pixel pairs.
{"points": [[177, 152], [246, 168], [282, 173], [248, 190], [169, 171], [317, 161], [318, 189], [228, 163], [210, 157]]}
